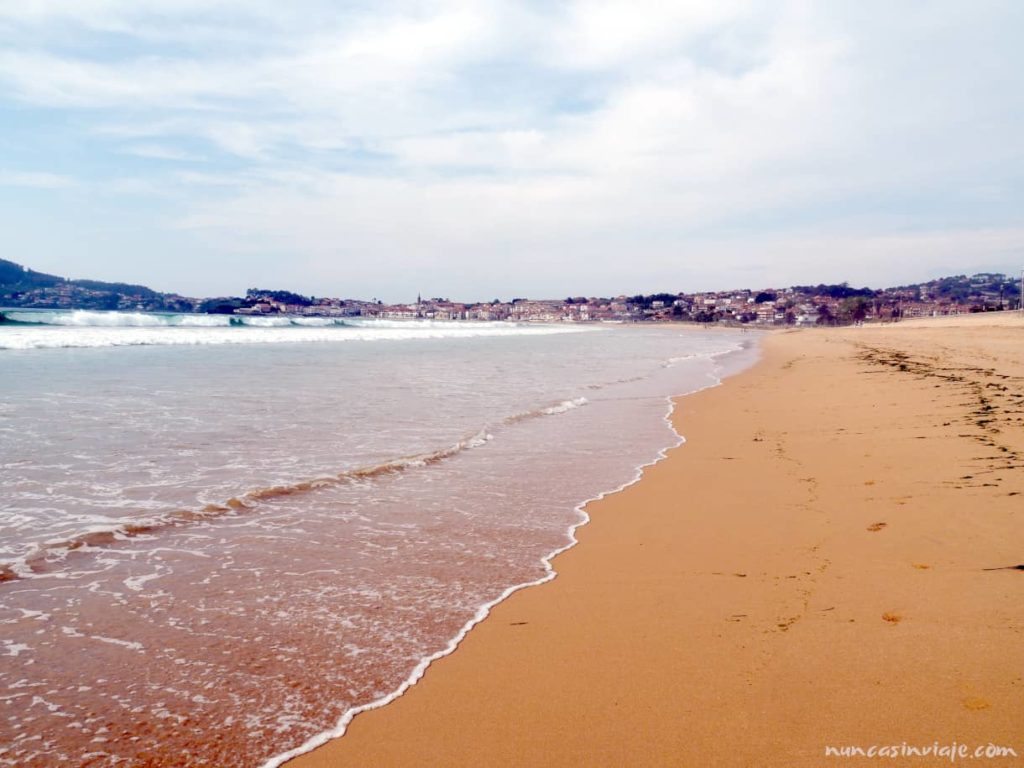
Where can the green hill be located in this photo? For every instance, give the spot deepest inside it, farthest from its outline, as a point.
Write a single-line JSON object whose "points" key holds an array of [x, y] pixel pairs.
{"points": [[14, 277], [24, 287]]}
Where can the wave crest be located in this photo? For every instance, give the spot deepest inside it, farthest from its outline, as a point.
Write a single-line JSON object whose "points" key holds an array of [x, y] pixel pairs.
{"points": [[59, 329], [87, 318]]}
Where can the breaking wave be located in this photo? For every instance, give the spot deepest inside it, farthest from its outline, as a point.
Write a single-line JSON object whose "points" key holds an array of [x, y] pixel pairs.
{"points": [[84, 318], [56, 329]]}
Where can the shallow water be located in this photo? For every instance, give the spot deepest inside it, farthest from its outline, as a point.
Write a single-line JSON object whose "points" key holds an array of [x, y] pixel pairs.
{"points": [[213, 550]]}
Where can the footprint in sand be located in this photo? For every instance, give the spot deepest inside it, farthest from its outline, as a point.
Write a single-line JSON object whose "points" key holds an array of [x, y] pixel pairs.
{"points": [[875, 527], [975, 703]]}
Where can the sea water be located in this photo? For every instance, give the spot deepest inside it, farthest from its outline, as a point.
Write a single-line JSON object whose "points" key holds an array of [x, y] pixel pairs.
{"points": [[218, 540]]}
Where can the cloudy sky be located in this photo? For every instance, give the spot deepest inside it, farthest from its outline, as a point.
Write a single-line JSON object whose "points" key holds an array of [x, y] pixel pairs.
{"points": [[485, 149]]}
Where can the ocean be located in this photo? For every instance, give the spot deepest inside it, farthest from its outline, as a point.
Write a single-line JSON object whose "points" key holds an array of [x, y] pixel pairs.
{"points": [[219, 540]]}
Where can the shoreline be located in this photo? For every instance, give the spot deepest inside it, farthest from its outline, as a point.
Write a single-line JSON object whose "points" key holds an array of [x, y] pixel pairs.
{"points": [[325, 738], [819, 600]]}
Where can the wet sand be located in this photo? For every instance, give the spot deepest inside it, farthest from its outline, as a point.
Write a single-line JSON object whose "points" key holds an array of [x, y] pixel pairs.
{"points": [[808, 570]]}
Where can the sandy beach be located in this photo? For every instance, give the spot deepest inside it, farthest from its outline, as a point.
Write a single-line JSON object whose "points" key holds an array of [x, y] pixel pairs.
{"points": [[827, 562]]}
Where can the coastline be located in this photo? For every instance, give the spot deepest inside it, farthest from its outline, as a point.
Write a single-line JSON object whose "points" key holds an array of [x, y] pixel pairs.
{"points": [[742, 603], [582, 519]]}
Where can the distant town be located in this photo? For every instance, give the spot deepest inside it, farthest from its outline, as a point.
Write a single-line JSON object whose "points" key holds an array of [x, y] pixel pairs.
{"points": [[800, 305]]}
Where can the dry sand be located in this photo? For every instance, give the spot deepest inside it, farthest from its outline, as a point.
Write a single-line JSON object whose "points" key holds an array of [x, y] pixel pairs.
{"points": [[808, 570]]}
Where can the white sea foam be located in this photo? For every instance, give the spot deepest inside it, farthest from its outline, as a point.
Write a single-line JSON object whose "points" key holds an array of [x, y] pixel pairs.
{"points": [[268, 322], [137, 329], [565, 405], [135, 583], [730, 349], [84, 318], [481, 438], [130, 644], [14, 649]]}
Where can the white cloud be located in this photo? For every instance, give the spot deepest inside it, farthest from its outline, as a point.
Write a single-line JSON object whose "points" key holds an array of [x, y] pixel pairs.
{"points": [[617, 33], [425, 136], [160, 152], [149, 82], [35, 180]]}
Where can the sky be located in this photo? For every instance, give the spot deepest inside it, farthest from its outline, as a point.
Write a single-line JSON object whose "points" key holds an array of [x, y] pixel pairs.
{"points": [[479, 150]]}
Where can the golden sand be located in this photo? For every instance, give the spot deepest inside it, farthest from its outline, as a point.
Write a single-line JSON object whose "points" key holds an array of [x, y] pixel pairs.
{"points": [[826, 562]]}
